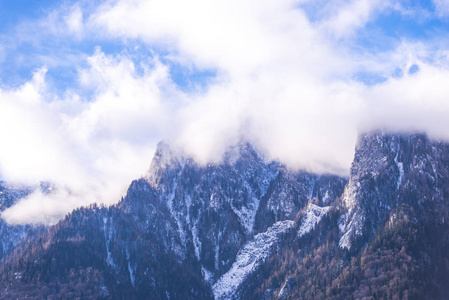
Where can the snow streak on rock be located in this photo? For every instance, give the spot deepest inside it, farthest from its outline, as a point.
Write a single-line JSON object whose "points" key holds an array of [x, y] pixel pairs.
{"points": [[248, 259], [351, 226], [311, 217], [107, 237], [400, 166], [350, 223]]}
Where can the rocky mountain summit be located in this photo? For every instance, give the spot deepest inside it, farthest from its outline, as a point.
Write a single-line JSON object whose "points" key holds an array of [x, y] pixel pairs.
{"points": [[389, 171], [248, 228]]}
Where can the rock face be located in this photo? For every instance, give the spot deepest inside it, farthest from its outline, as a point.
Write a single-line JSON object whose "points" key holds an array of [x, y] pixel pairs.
{"points": [[214, 210], [389, 170], [251, 229], [290, 192]]}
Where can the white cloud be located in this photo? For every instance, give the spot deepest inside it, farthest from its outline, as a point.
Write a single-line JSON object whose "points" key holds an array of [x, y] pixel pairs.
{"points": [[414, 102], [93, 149], [41, 208], [344, 18], [441, 7], [272, 65], [74, 20], [234, 36], [283, 82], [28, 124]]}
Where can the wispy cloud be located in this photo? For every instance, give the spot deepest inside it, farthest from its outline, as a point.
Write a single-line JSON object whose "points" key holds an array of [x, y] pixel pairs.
{"points": [[90, 149], [344, 18], [441, 8]]}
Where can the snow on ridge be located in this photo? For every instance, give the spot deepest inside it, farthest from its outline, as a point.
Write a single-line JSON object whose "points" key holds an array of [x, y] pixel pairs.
{"points": [[350, 226], [312, 216], [400, 166], [131, 270], [207, 275], [247, 215], [196, 241], [107, 238], [250, 256], [170, 201], [345, 240]]}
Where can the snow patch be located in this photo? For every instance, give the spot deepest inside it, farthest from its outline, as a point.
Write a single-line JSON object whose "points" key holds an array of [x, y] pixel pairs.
{"points": [[312, 183], [342, 222], [174, 214], [188, 202], [196, 241], [130, 269], [400, 166], [217, 250], [207, 275], [104, 291], [350, 226], [107, 238], [247, 215], [248, 259], [131, 274], [351, 223], [193, 229], [284, 289], [311, 217], [170, 201], [349, 195]]}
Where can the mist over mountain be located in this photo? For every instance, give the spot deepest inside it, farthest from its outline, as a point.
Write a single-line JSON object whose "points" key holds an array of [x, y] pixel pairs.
{"points": [[224, 149], [249, 228], [87, 90]]}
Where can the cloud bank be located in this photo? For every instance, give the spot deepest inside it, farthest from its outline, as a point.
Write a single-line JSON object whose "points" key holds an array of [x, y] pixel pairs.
{"points": [[296, 79]]}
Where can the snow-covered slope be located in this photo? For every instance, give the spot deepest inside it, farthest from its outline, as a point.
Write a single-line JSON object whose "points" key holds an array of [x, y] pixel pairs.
{"points": [[311, 217], [248, 259], [255, 252]]}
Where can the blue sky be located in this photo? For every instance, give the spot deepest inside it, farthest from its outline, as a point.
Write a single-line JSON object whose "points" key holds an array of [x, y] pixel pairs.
{"points": [[25, 50], [29, 45], [88, 88]]}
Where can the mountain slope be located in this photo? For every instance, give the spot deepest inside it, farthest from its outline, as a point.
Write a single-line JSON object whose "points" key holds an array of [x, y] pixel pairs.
{"points": [[390, 170], [251, 229], [176, 233], [387, 238]]}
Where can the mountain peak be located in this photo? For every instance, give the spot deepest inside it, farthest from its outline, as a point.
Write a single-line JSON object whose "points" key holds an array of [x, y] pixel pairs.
{"points": [[251, 229], [170, 158], [388, 168], [166, 158]]}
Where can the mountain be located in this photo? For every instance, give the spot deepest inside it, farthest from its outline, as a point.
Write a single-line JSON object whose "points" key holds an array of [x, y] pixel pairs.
{"points": [[386, 238], [248, 228], [176, 233], [10, 235], [390, 171]]}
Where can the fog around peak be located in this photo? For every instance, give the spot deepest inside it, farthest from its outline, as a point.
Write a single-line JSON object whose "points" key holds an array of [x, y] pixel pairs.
{"points": [[85, 106]]}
